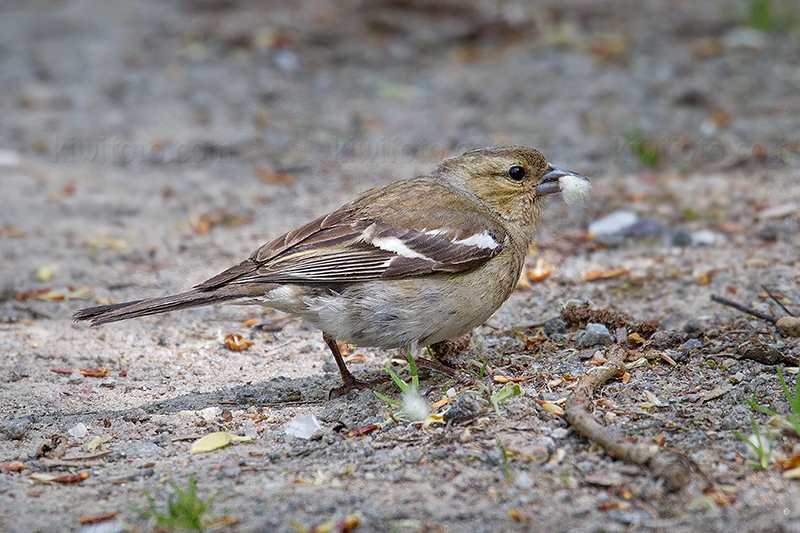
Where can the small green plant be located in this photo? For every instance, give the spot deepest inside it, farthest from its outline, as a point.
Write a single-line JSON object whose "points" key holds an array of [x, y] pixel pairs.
{"points": [[402, 385], [509, 391], [185, 509], [761, 445], [646, 152], [504, 460], [772, 16], [794, 403], [413, 406]]}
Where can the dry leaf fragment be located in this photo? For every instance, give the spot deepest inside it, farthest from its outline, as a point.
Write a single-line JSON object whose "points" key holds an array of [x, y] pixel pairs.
{"points": [[94, 372], [86, 372], [46, 272], [540, 271], [598, 275], [215, 441], [71, 478], [635, 338], [608, 47], [13, 466], [42, 478], [517, 379], [518, 516], [96, 519], [442, 402], [93, 444], [11, 232], [249, 322], [791, 462], [550, 407], [270, 177], [363, 430], [433, 418], [794, 473], [236, 342]]}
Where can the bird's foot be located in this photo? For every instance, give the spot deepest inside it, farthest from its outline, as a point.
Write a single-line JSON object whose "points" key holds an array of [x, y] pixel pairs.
{"points": [[352, 383], [464, 378]]}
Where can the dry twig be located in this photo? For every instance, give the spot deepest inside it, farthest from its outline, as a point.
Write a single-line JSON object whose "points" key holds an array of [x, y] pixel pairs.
{"points": [[744, 309], [672, 467]]}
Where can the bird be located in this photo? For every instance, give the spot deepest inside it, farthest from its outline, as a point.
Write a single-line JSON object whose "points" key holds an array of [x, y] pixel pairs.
{"points": [[417, 262]]}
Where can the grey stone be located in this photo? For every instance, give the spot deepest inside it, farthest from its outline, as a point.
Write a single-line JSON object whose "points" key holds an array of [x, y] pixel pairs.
{"points": [[594, 335]]}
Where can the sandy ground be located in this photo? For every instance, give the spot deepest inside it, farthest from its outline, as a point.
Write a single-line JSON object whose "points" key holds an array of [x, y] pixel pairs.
{"points": [[147, 146]]}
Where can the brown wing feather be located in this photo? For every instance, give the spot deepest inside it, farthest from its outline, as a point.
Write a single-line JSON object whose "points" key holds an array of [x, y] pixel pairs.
{"points": [[342, 248]]}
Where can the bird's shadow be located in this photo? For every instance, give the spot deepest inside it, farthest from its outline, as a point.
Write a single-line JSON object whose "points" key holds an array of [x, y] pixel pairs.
{"points": [[275, 393]]}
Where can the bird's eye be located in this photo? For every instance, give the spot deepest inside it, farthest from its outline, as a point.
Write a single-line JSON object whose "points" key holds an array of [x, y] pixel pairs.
{"points": [[516, 173]]}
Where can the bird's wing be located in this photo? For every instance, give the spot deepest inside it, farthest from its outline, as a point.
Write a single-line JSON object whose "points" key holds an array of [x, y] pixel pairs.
{"points": [[341, 248]]}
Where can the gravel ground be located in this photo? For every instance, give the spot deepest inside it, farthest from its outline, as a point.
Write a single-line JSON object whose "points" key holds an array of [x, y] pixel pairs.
{"points": [[146, 146]]}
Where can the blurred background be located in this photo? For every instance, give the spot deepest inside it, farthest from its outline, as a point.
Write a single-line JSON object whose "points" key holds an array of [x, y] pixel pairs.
{"points": [[148, 125]]}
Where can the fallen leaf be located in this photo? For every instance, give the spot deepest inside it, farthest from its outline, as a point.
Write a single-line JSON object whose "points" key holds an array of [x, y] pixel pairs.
{"points": [[236, 342], [215, 441], [433, 418], [598, 275], [249, 322]]}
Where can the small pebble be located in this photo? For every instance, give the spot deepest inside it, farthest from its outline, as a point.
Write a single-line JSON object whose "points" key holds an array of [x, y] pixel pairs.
{"points": [[681, 237], [614, 228], [210, 413], [691, 326], [523, 480], [554, 326], [594, 335], [704, 238], [646, 228], [788, 326], [79, 430], [768, 233], [464, 409], [691, 344]]}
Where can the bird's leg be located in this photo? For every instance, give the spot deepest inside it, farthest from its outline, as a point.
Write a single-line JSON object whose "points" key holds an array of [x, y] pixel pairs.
{"points": [[350, 382], [445, 359]]}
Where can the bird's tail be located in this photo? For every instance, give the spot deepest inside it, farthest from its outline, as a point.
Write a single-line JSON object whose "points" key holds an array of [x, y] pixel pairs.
{"points": [[104, 314]]}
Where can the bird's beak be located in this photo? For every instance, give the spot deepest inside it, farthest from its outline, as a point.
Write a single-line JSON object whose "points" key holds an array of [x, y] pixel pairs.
{"points": [[551, 182]]}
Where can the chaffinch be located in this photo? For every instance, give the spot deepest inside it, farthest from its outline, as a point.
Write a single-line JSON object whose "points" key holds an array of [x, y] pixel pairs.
{"points": [[411, 264]]}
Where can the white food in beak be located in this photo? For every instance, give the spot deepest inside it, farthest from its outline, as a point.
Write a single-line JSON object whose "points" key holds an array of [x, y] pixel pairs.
{"points": [[574, 188]]}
